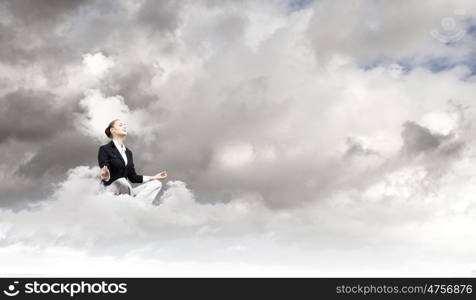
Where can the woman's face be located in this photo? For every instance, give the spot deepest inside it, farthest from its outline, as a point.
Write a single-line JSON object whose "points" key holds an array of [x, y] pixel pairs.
{"points": [[119, 128]]}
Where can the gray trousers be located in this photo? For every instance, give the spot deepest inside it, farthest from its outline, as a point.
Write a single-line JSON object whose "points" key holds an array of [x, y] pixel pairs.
{"points": [[147, 191]]}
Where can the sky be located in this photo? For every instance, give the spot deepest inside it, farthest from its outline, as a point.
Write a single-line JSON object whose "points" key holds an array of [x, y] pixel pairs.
{"points": [[300, 138]]}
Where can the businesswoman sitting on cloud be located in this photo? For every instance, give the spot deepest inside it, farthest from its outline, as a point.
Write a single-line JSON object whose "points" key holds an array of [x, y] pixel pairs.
{"points": [[117, 167]]}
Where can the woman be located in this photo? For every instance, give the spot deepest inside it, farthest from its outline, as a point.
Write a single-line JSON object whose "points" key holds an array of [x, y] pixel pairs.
{"points": [[117, 167]]}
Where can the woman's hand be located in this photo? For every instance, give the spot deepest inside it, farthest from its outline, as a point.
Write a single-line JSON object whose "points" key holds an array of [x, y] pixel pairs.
{"points": [[161, 175], [105, 174]]}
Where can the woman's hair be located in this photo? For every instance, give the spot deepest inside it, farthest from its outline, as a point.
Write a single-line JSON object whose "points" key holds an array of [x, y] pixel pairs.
{"points": [[108, 129]]}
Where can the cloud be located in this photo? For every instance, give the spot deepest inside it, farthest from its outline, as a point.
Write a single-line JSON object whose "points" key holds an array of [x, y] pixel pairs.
{"points": [[419, 139], [161, 17], [300, 132], [41, 117], [97, 64], [356, 147], [100, 111], [372, 32], [81, 221]]}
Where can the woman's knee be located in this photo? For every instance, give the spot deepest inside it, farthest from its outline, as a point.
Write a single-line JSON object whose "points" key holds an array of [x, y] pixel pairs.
{"points": [[122, 186], [156, 183], [122, 182]]}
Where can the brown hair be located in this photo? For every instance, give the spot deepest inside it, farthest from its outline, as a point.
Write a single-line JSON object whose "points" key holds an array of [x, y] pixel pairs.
{"points": [[108, 129]]}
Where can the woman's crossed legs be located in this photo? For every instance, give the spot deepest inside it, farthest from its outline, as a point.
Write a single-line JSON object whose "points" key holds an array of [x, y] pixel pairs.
{"points": [[146, 192]]}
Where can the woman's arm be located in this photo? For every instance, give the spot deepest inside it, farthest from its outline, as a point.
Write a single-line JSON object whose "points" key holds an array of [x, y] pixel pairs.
{"points": [[104, 164], [133, 177], [103, 158]]}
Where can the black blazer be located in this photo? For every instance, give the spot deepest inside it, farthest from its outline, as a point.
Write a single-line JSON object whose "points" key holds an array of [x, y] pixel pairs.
{"points": [[110, 156]]}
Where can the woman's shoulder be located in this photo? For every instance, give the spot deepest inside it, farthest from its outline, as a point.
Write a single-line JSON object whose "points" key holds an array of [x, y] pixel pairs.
{"points": [[105, 145]]}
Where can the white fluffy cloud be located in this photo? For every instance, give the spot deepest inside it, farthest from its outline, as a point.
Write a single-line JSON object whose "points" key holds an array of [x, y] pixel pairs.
{"points": [[101, 110], [97, 64], [398, 226]]}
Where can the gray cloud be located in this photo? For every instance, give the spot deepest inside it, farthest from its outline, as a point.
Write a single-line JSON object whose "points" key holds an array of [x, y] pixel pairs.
{"points": [[133, 85], [268, 112], [160, 16], [358, 30], [356, 147], [57, 155], [38, 130], [418, 139], [197, 116], [32, 115], [30, 30], [42, 12]]}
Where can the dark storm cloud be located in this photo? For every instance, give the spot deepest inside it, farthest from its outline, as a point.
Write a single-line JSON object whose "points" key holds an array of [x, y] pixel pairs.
{"points": [[55, 156], [160, 16], [133, 85], [9, 51], [41, 12], [16, 196], [44, 126], [49, 32], [31, 115], [31, 32], [36, 178]]}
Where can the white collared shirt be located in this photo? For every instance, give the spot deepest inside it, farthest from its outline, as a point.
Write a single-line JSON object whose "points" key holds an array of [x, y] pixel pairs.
{"points": [[122, 150]]}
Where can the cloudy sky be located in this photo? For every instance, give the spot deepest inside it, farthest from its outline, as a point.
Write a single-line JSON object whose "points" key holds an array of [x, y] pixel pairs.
{"points": [[301, 138]]}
